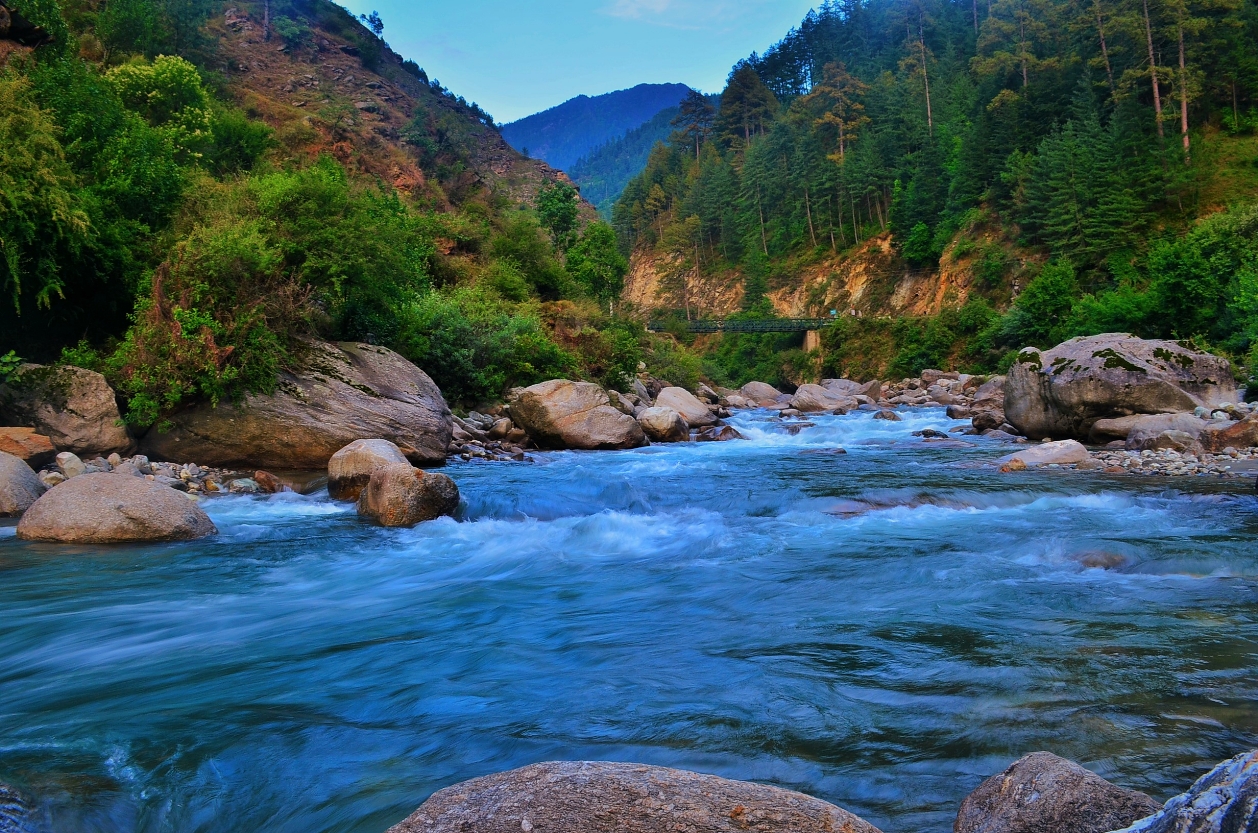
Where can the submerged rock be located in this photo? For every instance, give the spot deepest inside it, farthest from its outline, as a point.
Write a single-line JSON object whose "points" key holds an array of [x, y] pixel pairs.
{"points": [[561, 414], [1042, 793], [718, 434], [75, 408], [113, 509], [1224, 800], [597, 797], [399, 495], [663, 425], [20, 486], [887, 415], [1061, 393], [15, 813], [694, 412], [351, 467], [344, 392]]}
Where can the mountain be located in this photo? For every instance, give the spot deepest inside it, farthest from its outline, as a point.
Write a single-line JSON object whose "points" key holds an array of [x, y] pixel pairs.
{"points": [[563, 134], [603, 173]]}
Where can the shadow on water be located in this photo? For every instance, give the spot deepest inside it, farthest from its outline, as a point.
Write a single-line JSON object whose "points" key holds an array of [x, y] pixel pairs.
{"points": [[882, 628]]}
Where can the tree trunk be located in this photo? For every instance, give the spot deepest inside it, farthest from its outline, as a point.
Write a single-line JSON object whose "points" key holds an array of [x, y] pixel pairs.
{"points": [[1100, 30], [921, 39], [1022, 43], [856, 223], [1153, 69], [1183, 92], [1236, 114], [808, 209]]}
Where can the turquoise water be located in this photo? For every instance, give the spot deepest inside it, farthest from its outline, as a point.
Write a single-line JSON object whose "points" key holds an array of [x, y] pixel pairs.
{"points": [[882, 629]]}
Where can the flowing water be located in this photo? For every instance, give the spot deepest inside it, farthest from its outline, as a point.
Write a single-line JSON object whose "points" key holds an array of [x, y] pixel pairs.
{"points": [[881, 629]]}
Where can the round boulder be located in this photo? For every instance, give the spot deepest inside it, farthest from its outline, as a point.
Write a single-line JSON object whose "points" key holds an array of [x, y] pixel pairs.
{"points": [[1064, 453], [1043, 793], [1061, 393], [107, 508], [815, 399], [694, 412], [561, 414], [664, 425], [760, 393], [398, 495], [20, 487], [596, 797], [351, 467]]}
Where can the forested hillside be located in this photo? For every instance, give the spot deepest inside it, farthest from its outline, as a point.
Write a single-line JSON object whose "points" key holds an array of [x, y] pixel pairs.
{"points": [[567, 132], [191, 191], [603, 174], [1023, 171]]}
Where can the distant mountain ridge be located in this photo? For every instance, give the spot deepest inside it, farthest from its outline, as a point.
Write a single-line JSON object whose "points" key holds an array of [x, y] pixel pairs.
{"points": [[564, 134]]}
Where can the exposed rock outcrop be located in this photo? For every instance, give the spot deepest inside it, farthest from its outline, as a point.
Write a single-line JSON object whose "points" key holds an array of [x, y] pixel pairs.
{"points": [[688, 405], [75, 408], [663, 425], [399, 495], [1061, 393], [561, 414], [1224, 800], [113, 509], [1042, 793], [351, 467], [343, 393], [596, 797], [20, 487]]}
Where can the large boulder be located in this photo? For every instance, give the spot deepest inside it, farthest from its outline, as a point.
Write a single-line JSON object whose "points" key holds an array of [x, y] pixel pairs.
{"points": [[75, 408], [1243, 434], [20, 487], [113, 509], [343, 392], [595, 797], [1043, 793], [1061, 393], [401, 495], [34, 449], [663, 425], [1224, 800], [1139, 430], [815, 399], [760, 393], [561, 414], [688, 405], [351, 467], [1063, 453], [846, 387]]}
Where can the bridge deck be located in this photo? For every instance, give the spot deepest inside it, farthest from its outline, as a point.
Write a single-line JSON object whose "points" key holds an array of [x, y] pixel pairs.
{"points": [[766, 325]]}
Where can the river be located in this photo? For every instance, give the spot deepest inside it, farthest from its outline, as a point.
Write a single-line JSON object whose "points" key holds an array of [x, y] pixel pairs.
{"points": [[882, 629]]}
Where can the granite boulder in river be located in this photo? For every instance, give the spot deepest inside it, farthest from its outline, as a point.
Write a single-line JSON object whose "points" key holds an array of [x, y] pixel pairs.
{"points": [[110, 508], [561, 414]]}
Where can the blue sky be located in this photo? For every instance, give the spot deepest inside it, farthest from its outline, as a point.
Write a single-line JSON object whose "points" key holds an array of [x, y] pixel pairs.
{"points": [[517, 58]]}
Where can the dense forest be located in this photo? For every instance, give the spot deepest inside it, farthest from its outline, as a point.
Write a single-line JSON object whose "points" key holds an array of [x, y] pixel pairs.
{"points": [[189, 193], [1094, 162]]}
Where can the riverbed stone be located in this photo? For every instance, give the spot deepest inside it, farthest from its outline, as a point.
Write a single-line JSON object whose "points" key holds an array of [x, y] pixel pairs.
{"points": [[887, 415], [688, 405], [563, 414], [1061, 453], [1062, 392], [1042, 793], [33, 449], [15, 811], [107, 508], [1138, 431], [760, 393], [815, 399], [1224, 800], [599, 797], [20, 486], [400, 495], [75, 408], [1243, 434], [663, 425], [341, 393], [351, 467]]}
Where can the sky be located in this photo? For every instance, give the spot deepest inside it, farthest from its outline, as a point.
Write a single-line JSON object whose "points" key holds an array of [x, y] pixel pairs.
{"points": [[515, 57]]}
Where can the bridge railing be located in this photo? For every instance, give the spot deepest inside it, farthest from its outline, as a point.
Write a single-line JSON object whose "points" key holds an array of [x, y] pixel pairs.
{"points": [[766, 325]]}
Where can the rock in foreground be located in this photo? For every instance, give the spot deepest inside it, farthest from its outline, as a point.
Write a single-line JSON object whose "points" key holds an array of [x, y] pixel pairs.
{"points": [[113, 509], [1043, 793], [596, 797], [1225, 800], [399, 495], [351, 467], [344, 393], [1061, 393], [815, 399], [694, 412], [75, 408], [560, 414], [20, 487], [663, 425]]}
